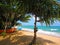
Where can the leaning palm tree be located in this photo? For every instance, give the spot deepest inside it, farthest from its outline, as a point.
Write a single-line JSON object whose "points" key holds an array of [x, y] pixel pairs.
{"points": [[46, 10]]}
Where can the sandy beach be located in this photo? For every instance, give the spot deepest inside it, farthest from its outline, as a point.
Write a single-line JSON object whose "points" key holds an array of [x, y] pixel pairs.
{"points": [[24, 37]]}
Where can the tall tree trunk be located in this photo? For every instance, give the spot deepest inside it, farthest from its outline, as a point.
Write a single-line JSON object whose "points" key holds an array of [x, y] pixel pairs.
{"points": [[35, 29], [5, 26], [6, 23]]}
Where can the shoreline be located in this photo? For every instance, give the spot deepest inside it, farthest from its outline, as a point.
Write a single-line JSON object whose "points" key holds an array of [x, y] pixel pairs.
{"points": [[54, 34], [46, 37]]}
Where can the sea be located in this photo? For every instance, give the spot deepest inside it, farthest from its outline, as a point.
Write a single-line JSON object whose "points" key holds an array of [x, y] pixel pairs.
{"points": [[49, 30]]}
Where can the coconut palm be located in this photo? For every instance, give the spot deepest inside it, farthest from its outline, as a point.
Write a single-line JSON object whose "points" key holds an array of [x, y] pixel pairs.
{"points": [[46, 10], [10, 12]]}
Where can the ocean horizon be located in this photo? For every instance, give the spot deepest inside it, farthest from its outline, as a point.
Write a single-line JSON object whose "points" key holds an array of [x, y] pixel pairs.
{"points": [[45, 28], [49, 30]]}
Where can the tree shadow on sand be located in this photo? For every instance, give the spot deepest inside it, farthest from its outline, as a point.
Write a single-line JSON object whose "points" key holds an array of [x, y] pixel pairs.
{"points": [[15, 39], [41, 41]]}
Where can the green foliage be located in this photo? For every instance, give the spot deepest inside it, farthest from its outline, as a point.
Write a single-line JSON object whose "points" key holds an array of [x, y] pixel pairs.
{"points": [[46, 10], [25, 18], [10, 12], [3, 34]]}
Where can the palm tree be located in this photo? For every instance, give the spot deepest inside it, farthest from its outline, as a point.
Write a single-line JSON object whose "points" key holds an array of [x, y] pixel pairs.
{"points": [[46, 10], [11, 11]]}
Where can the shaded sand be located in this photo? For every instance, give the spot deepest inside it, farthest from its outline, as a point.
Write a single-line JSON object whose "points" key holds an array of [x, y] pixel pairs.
{"points": [[25, 37]]}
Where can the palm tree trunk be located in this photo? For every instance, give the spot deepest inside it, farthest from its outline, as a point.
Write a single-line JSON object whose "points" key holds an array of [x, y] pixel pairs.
{"points": [[6, 23], [5, 26], [35, 29]]}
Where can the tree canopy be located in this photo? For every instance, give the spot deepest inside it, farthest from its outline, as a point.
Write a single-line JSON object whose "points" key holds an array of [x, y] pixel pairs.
{"points": [[12, 10], [47, 10]]}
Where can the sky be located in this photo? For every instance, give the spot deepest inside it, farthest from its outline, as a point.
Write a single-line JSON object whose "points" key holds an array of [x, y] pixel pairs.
{"points": [[31, 22]]}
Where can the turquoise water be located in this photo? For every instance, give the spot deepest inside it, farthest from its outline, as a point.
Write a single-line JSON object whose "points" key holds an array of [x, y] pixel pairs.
{"points": [[45, 28]]}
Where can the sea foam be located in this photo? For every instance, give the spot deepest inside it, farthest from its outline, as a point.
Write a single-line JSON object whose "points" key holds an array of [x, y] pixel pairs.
{"points": [[49, 33], [54, 29], [44, 32]]}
